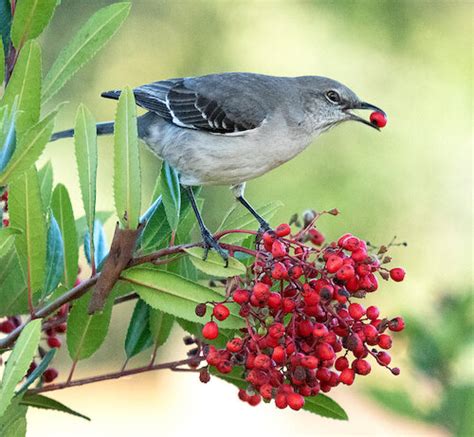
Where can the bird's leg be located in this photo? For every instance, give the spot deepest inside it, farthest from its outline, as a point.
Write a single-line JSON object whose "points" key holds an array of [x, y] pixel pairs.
{"points": [[209, 241], [238, 191]]}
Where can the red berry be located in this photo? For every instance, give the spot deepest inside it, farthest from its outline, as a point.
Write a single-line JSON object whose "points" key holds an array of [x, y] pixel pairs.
{"points": [[277, 330], [316, 237], [378, 118], [262, 361], [261, 291], [210, 330], [362, 367], [220, 312], [274, 301], [278, 354], [324, 351], [283, 230], [351, 244], [309, 362], [7, 326], [254, 400], [356, 310], [278, 249], [347, 376], [241, 296], [243, 396], [288, 305], [235, 345], [397, 274], [334, 263], [385, 341], [397, 324], [341, 363], [204, 376], [54, 342], [279, 271], [295, 401], [345, 272], [319, 330], [266, 391], [373, 312], [280, 401], [50, 375], [224, 366], [384, 358], [62, 328]]}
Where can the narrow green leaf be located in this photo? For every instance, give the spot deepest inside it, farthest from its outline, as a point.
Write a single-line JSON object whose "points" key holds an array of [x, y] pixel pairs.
{"points": [[2, 62], [26, 84], [13, 289], [62, 210], [85, 142], [19, 362], [247, 221], [7, 135], [38, 371], [160, 325], [126, 161], [171, 194], [30, 19], [323, 405], [5, 22], [54, 257], [86, 333], [176, 295], [40, 401], [13, 421], [81, 223], [26, 214], [138, 336], [100, 246], [29, 148], [45, 175], [214, 264], [7, 238], [84, 45]]}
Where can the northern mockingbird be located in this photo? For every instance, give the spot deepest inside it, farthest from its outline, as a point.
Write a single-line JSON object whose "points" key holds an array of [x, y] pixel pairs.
{"points": [[225, 129]]}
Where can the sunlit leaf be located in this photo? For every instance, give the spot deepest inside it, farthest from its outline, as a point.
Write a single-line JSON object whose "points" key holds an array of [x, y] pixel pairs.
{"points": [[13, 421], [127, 162], [13, 289], [7, 238], [160, 325], [45, 176], [40, 401], [19, 361], [214, 265], [84, 45]]}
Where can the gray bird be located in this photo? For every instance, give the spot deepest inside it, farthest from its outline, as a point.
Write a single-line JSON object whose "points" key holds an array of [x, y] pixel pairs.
{"points": [[226, 129]]}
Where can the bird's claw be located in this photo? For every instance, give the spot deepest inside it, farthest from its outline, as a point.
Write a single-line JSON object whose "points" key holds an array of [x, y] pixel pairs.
{"points": [[211, 243]]}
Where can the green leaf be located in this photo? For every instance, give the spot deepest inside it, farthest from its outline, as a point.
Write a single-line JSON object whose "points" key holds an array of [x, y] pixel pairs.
{"points": [[26, 214], [214, 264], [100, 246], [30, 19], [5, 22], [19, 362], [45, 176], [62, 210], [29, 148], [176, 295], [85, 142], [138, 334], [81, 223], [54, 257], [2, 62], [85, 333], [7, 238], [126, 161], [160, 325], [39, 369], [247, 221], [323, 405], [7, 134], [456, 410], [40, 401], [171, 194], [13, 421], [26, 84], [13, 289], [84, 45], [396, 401]]}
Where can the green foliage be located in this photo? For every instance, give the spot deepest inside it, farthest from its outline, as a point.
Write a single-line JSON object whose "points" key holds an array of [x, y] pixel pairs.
{"points": [[176, 295], [86, 333], [19, 361], [62, 210], [126, 162], [13, 289], [26, 214], [214, 265], [5, 22], [100, 245], [29, 149], [38, 371], [54, 257], [160, 325], [85, 141], [7, 134], [40, 401], [7, 238], [85, 44], [31, 17], [13, 421], [45, 176], [2, 62], [138, 334], [25, 86], [171, 195], [81, 223]]}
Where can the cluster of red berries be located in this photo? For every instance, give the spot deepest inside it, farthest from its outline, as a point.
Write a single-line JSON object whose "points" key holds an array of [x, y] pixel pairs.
{"points": [[304, 331], [4, 209]]}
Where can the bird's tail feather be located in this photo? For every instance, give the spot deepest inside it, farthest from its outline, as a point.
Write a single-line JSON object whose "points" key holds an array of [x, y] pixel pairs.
{"points": [[105, 128]]}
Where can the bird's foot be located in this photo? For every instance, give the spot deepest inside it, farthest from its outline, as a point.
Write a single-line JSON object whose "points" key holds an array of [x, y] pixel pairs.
{"points": [[211, 243]]}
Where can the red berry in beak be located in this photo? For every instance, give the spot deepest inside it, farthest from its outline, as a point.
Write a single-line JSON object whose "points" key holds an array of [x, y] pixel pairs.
{"points": [[378, 118]]}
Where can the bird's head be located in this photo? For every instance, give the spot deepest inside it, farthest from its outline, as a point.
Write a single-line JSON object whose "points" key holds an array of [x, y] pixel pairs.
{"points": [[328, 103]]}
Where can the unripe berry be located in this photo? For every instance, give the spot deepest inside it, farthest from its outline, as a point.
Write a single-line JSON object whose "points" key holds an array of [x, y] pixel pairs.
{"points": [[397, 274], [210, 330], [295, 401], [220, 312]]}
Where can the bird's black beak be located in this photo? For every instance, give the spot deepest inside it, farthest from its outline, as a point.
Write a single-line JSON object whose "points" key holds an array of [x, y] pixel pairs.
{"points": [[364, 105]]}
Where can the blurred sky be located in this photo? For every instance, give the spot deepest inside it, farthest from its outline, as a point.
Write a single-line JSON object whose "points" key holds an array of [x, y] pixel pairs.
{"points": [[411, 58]]}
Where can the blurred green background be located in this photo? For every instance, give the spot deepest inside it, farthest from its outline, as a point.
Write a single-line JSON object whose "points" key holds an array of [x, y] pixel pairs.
{"points": [[413, 180]]}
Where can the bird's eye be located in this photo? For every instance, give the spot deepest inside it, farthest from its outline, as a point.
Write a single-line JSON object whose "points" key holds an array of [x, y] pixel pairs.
{"points": [[333, 96]]}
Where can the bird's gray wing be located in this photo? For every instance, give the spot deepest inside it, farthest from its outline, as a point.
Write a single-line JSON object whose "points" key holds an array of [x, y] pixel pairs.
{"points": [[216, 103]]}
